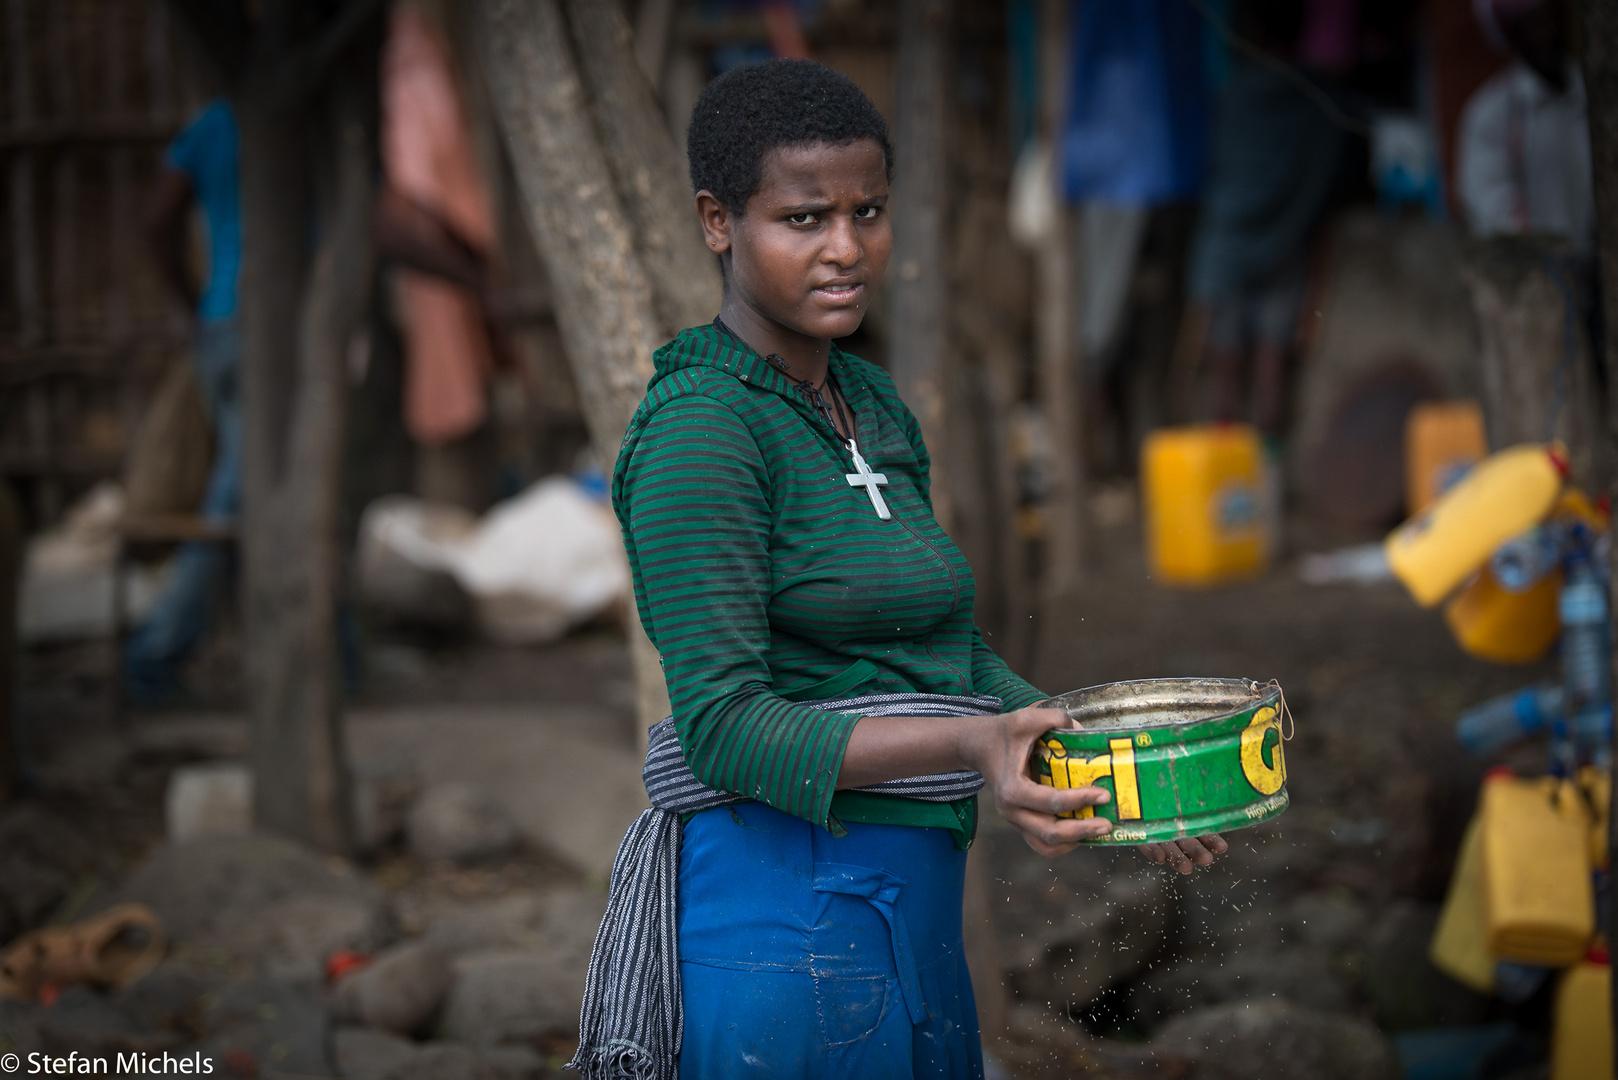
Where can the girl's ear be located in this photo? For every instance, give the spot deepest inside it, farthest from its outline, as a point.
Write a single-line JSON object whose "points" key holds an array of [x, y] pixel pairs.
{"points": [[716, 222]]}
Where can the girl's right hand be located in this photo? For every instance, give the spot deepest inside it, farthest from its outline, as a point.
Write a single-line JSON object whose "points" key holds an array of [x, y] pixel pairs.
{"points": [[1002, 750]]}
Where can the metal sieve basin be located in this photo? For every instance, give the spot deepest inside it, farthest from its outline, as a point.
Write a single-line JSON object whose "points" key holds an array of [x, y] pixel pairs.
{"points": [[1181, 757]]}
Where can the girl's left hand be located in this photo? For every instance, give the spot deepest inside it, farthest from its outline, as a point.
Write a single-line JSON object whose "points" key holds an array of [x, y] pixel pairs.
{"points": [[1188, 854]]}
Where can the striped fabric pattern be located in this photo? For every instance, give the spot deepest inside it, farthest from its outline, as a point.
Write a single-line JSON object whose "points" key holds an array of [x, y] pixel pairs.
{"points": [[632, 1019], [766, 581], [672, 785]]}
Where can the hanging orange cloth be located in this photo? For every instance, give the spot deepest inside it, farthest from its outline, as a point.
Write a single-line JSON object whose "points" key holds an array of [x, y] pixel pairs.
{"points": [[427, 157]]}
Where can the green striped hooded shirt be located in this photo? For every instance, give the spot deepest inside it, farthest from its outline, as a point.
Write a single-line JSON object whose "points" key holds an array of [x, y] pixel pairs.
{"points": [[765, 580]]}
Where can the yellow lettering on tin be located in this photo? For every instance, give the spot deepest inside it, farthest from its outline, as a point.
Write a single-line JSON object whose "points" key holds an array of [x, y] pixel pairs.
{"points": [[1266, 779], [1125, 787], [1071, 771], [1084, 772]]}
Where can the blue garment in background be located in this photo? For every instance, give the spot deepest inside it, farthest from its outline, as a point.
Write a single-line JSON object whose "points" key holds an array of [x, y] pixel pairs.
{"points": [[1137, 103], [206, 152], [807, 956]]}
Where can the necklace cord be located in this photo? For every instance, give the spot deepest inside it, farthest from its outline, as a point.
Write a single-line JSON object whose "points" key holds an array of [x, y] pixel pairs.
{"points": [[811, 393]]}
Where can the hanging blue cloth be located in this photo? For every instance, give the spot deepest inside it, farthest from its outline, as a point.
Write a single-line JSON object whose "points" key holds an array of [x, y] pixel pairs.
{"points": [[1137, 103], [806, 956]]}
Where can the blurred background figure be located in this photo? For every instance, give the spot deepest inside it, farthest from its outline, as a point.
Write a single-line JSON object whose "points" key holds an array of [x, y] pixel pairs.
{"points": [[1132, 150], [434, 217], [199, 168], [1523, 154], [1275, 162]]}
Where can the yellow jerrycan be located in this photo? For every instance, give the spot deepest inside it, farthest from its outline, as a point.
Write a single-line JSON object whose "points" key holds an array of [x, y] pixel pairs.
{"points": [[1443, 440], [1207, 511], [1518, 623], [1503, 626], [1597, 787], [1458, 948], [1581, 1044], [1502, 497], [1538, 902]]}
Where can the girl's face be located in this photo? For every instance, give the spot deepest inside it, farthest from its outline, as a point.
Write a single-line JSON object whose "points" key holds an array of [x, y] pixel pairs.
{"points": [[814, 241]]}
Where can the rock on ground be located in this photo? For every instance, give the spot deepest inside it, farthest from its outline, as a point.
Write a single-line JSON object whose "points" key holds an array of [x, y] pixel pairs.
{"points": [[20, 1028], [367, 1054], [277, 1027], [170, 997], [41, 855], [261, 903], [158, 1012], [446, 1062], [455, 822], [516, 1061], [505, 997], [1298, 975], [89, 1022], [1069, 929], [399, 991], [561, 921], [1277, 1041], [563, 775]]}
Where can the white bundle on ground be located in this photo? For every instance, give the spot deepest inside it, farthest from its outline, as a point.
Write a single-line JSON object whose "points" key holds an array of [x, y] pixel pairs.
{"points": [[535, 566], [67, 576]]}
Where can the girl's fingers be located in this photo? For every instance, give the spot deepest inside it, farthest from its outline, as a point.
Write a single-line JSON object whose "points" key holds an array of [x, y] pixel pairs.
{"points": [[1170, 854], [1193, 850], [1052, 835], [1036, 722], [1023, 792], [1188, 854]]}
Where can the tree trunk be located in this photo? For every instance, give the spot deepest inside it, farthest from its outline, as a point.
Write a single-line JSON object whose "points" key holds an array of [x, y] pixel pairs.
{"points": [[298, 315], [1057, 341], [1601, 88], [651, 180], [1538, 382], [1000, 364], [11, 543], [304, 85], [603, 297], [918, 350]]}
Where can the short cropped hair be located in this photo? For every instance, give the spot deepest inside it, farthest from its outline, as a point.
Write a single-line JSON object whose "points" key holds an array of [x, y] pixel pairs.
{"points": [[755, 108]]}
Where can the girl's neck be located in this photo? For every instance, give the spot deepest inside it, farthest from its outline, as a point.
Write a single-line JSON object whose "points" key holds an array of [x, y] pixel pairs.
{"points": [[808, 357]]}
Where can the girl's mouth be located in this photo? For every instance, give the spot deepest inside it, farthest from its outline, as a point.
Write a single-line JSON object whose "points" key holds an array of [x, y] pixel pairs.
{"points": [[841, 295]]}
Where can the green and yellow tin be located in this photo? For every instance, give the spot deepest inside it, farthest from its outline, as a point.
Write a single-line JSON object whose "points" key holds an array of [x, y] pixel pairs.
{"points": [[1181, 757]]}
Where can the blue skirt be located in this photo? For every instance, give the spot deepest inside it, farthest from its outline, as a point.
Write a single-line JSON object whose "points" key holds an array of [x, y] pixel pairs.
{"points": [[804, 955]]}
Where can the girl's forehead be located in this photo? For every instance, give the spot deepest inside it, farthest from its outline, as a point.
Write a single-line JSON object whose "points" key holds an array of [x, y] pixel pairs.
{"points": [[857, 168]]}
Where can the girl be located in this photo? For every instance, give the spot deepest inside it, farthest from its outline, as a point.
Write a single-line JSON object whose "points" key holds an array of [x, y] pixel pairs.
{"points": [[816, 631]]}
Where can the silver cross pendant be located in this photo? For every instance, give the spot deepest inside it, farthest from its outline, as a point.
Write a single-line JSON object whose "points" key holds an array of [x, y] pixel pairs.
{"points": [[868, 480]]}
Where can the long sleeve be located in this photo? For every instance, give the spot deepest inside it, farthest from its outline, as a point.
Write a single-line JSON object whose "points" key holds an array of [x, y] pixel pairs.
{"points": [[695, 505], [990, 675]]}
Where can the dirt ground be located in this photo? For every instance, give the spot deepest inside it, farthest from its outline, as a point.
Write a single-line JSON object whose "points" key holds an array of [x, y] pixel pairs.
{"points": [[1327, 909]]}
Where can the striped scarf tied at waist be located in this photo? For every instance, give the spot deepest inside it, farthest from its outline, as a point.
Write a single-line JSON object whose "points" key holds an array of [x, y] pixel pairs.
{"points": [[632, 1019]]}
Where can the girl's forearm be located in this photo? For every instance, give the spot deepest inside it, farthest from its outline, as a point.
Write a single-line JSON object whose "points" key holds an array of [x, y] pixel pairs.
{"points": [[894, 747]]}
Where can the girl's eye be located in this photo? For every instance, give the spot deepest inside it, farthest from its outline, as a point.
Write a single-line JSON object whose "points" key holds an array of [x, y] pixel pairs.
{"points": [[801, 219], [867, 212]]}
